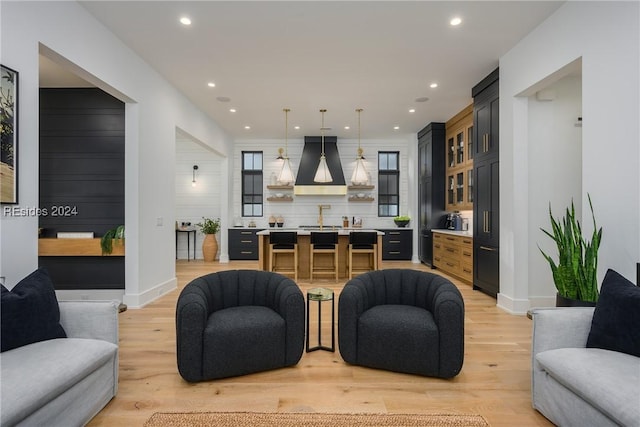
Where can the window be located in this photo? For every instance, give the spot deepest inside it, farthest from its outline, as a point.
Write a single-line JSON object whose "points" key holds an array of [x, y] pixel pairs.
{"points": [[388, 183], [252, 183]]}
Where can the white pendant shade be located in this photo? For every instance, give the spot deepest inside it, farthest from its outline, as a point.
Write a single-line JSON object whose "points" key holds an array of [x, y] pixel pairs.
{"points": [[360, 176], [286, 174], [323, 174]]}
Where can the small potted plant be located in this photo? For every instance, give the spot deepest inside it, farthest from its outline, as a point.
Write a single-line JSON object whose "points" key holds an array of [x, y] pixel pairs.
{"points": [[106, 242], [575, 272], [209, 227], [402, 221]]}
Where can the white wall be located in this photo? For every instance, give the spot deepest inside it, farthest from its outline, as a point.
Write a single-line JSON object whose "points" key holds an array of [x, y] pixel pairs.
{"points": [[606, 36], [556, 143], [154, 110], [202, 200]]}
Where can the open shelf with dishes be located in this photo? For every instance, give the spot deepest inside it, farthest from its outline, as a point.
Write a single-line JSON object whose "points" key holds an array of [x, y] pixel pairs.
{"points": [[282, 193]]}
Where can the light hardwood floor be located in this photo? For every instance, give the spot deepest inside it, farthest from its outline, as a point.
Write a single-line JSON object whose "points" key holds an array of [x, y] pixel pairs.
{"points": [[494, 382]]}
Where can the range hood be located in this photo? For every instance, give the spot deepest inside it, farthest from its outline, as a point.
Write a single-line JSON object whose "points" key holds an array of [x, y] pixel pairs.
{"points": [[309, 163]]}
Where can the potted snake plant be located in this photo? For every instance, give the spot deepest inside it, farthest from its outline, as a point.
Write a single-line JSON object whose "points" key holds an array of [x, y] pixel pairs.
{"points": [[574, 274]]}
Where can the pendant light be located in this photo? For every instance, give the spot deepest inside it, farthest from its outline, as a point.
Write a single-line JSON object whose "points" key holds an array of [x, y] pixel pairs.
{"points": [[360, 176], [322, 173], [286, 176]]}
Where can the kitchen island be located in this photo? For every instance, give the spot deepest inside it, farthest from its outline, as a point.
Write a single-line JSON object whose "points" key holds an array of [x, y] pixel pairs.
{"points": [[304, 248]]}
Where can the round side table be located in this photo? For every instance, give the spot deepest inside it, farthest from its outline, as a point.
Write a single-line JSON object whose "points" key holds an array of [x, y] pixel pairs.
{"points": [[321, 294]]}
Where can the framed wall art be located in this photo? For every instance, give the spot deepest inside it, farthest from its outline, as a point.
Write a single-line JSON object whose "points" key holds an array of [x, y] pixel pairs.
{"points": [[9, 135]]}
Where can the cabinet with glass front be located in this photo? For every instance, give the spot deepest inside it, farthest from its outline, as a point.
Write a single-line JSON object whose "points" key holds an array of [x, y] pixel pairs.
{"points": [[459, 157]]}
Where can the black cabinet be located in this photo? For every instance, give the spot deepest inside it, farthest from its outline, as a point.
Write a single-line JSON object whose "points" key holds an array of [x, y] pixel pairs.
{"points": [[397, 244], [243, 244], [486, 207], [431, 187]]}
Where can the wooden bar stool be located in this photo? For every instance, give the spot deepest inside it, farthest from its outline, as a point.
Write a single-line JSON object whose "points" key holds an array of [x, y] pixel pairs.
{"points": [[323, 243], [283, 242], [363, 242]]}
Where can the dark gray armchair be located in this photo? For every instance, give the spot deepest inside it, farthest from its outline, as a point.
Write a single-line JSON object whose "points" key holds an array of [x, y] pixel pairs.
{"points": [[238, 322], [404, 321]]}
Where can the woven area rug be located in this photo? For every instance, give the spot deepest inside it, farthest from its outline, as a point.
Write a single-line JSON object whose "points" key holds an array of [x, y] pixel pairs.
{"points": [[260, 419]]}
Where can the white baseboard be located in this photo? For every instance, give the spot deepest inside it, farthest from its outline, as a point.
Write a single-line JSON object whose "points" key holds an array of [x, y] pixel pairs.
{"points": [[90, 294], [144, 298], [513, 306]]}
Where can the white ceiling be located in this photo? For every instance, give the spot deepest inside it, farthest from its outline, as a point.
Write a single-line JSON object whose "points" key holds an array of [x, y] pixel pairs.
{"points": [[376, 55]]}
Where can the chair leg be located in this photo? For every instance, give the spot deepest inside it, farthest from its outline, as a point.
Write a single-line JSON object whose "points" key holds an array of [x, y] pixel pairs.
{"points": [[335, 262], [271, 256], [311, 263], [350, 261], [295, 265]]}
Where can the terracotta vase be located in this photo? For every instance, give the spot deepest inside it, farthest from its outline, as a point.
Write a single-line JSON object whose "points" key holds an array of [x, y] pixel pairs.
{"points": [[210, 247]]}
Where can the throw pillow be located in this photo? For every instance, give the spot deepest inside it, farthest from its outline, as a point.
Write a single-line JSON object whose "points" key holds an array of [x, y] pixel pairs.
{"points": [[30, 312], [616, 319]]}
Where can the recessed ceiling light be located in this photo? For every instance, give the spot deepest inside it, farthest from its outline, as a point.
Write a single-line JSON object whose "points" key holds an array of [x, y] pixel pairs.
{"points": [[347, 128], [455, 21], [396, 127], [412, 110], [211, 84], [422, 99], [296, 127], [185, 20], [232, 110], [433, 85], [247, 127], [223, 98]]}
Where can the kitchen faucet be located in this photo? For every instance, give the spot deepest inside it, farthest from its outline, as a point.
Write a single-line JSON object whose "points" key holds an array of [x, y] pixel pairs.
{"points": [[320, 208]]}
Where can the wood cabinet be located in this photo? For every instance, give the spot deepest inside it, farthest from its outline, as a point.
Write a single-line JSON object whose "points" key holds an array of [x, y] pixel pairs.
{"points": [[453, 254], [397, 244], [486, 212], [459, 160], [243, 243], [431, 169]]}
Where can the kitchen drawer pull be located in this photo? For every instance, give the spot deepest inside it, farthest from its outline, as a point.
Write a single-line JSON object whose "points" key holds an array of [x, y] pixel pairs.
{"points": [[485, 248], [246, 232], [246, 241], [467, 254], [466, 271], [394, 241], [450, 250], [451, 265], [246, 252], [451, 238], [394, 252]]}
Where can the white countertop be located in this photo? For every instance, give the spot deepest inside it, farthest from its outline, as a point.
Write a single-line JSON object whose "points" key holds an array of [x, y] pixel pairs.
{"points": [[452, 232], [307, 232]]}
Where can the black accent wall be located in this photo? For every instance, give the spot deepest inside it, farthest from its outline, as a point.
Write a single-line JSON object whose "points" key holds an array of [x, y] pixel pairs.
{"points": [[82, 137]]}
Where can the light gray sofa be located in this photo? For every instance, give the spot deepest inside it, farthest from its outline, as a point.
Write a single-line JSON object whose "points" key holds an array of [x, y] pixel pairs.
{"points": [[576, 386], [65, 381]]}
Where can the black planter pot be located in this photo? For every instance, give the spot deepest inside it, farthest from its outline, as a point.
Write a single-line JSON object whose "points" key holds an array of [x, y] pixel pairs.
{"points": [[401, 224], [568, 302]]}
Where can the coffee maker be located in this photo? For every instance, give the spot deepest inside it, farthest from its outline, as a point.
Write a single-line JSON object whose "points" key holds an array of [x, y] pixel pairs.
{"points": [[453, 221]]}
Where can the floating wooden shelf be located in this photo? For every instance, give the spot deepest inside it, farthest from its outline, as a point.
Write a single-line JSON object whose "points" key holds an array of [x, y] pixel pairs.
{"points": [[361, 187], [280, 187], [76, 247], [280, 199]]}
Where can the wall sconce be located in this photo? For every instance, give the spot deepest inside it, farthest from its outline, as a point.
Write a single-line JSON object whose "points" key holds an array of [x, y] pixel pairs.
{"points": [[193, 182]]}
